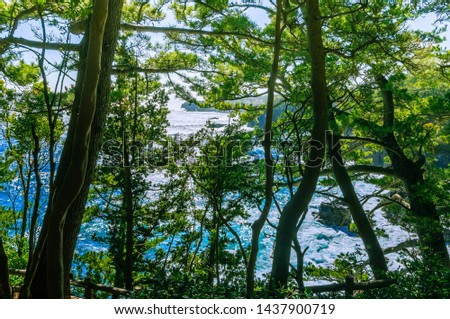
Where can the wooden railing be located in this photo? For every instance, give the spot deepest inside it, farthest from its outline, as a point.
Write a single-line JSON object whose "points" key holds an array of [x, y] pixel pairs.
{"points": [[89, 287], [349, 287]]}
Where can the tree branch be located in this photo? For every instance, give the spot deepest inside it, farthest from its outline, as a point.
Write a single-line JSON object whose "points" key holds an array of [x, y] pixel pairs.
{"points": [[119, 70], [5, 42], [166, 30]]}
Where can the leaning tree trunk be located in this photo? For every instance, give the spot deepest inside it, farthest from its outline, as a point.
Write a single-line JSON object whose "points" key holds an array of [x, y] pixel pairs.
{"points": [[377, 261], [35, 283], [76, 172], [37, 286], [298, 204], [76, 211], [425, 217], [258, 224]]}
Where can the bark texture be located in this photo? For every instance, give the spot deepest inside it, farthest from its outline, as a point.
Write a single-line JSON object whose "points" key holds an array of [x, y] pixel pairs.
{"points": [[298, 204], [76, 172], [76, 211], [37, 278]]}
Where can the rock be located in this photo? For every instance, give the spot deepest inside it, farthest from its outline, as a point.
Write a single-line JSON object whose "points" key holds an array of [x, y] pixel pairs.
{"points": [[189, 106], [333, 214], [217, 125]]}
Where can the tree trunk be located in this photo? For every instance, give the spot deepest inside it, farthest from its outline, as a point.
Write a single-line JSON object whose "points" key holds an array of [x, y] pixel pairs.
{"points": [[376, 257], [36, 279], [258, 224], [5, 288], [37, 195], [425, 217], [298, 204], [26, 181], [35, 282], [76, 211], [300, 259], [213, 249], [129, 218], [76, 172]]}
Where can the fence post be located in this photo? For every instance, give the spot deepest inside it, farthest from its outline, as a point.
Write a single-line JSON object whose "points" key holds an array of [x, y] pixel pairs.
{"points": [[88, 288], [349, 286]]}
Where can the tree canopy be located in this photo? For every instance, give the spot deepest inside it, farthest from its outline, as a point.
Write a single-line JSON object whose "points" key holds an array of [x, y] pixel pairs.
{"points": [[319, 96]]}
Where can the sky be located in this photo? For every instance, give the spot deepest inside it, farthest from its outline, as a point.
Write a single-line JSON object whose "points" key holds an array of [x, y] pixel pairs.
{"points": [[424, 23]]}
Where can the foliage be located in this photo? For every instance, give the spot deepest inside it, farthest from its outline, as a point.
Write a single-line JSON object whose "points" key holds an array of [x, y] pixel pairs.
{"points": [[15, 261], [179, 204], [174, 283], [416, 279], [136, 123], [350, 264]]}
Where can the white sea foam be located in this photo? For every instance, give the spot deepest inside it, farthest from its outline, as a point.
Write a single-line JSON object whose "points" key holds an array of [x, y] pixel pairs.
{"points": [[325, 243]]}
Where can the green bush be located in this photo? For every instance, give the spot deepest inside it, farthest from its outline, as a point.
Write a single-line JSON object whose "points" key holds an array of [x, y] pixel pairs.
{"points": [[419, 279]]}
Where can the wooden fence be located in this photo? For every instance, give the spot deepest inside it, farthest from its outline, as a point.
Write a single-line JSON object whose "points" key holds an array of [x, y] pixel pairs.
{"points": [[89, 287], [349, 287]]}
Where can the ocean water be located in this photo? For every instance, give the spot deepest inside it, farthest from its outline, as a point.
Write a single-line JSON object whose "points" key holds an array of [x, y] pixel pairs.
{"points": [[325, 243]]}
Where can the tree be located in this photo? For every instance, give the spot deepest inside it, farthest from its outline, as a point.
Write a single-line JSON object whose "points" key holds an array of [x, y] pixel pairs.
{"points": [[36, 280], [357, 74], [426, 218], [62, 201], [370, 55], [365, 229], [298, 204], [136, 122], [226, 181], [392, 50], [259, 223], [76, 172]]}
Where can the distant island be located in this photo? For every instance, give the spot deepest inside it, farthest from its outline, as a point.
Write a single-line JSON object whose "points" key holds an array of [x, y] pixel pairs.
{"points": [[258, 121], [192, 107]]}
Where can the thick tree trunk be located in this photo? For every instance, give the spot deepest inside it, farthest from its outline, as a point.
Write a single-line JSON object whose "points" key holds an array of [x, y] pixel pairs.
{"points": [[258, 224], [5, 288], [76, 211], [298, 204], [36, 279], [376, 257], [425, 217], [75, 174], [35, 283]]}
